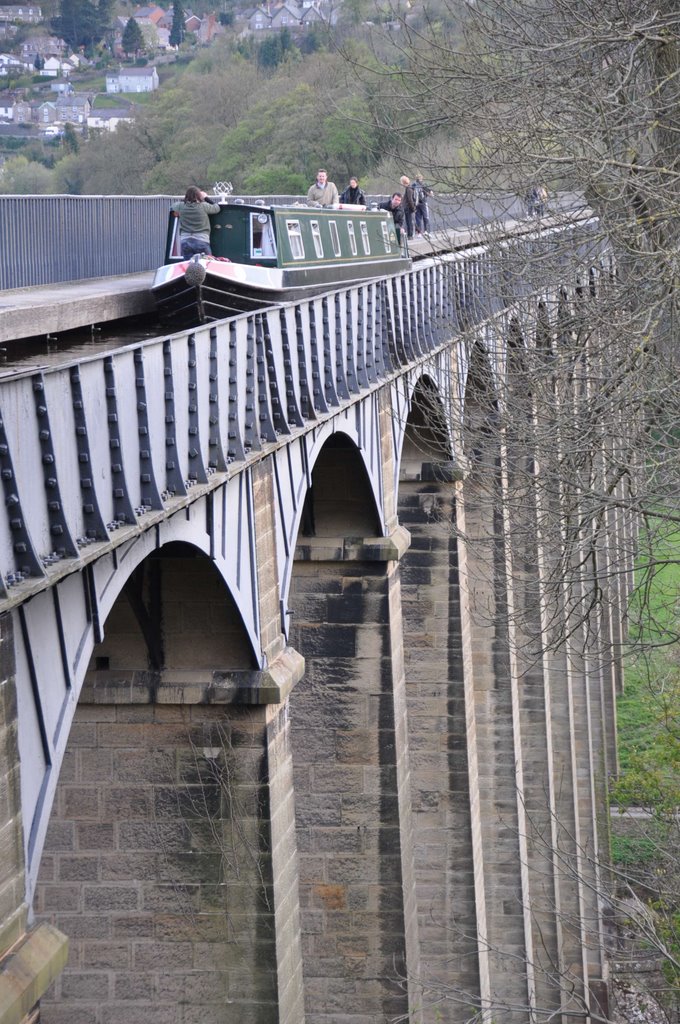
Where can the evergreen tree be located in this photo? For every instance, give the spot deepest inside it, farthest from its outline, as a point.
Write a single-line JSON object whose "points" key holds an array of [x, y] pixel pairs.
{"points": [[177, 30], [71, 141], [133, 40], [81, 23], [38, 63]]}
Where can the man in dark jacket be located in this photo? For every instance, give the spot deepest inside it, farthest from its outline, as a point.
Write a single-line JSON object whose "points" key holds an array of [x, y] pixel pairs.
{"points": [[409, 204], [353, 194], [393, 204]]}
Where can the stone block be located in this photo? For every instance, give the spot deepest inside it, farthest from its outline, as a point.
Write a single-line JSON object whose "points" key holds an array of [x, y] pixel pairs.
{"points": [[81, 802], [88, 986], [137, 987], [106, 898], [143, 1013], [162, 956], [77, 868], [132, 926], [105, 955]]}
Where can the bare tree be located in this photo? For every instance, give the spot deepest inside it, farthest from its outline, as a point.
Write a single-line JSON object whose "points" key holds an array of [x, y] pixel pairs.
{"points": [[581, 98], [570, 427]]}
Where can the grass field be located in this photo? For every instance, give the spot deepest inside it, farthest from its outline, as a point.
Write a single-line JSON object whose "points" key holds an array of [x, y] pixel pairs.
{"points": [[648, 712]]}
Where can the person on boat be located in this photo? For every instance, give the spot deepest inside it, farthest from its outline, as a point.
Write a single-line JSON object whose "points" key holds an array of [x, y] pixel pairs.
{"points": [[323, 192], [353, 194], [194, 212], [393, 204], [408, 204]]}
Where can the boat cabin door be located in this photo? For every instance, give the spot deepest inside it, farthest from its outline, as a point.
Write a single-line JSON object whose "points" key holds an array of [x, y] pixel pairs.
{"points": [[262, 238]]}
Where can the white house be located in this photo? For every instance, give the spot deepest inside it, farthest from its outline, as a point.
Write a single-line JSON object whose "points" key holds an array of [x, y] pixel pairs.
{"points": [[9, 63], [6, 106], [108, 119], [26, 13], [132, 80], [55, 66]]}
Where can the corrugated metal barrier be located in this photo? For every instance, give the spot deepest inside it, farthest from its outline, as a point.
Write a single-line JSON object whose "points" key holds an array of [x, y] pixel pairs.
{"points": [[47, 239]]}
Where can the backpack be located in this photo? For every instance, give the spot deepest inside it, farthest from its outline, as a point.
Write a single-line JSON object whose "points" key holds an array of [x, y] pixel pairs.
{"points": [[419, 193]]}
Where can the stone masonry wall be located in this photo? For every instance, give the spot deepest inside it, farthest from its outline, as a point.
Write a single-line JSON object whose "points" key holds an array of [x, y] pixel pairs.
{"points": [[438, 750], [348, 737], [158, 866]]}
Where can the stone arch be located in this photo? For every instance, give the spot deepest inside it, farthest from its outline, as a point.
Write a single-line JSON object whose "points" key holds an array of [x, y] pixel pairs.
{"points": [[426, 445], [481, 409], [340, 499], [173, 598], [158, 860], [348, 729]]}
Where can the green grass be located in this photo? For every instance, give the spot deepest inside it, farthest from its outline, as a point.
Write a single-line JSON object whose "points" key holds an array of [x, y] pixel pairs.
{"points": [[648, 711], [105, 100]]}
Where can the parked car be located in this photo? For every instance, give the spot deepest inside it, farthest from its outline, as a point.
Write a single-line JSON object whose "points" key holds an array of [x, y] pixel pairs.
{"points": [[52, 131]]}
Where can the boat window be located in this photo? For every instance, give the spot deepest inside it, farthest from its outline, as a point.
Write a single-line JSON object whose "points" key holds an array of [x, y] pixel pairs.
{"points": [[352, 239], [262, 241], [297, 247], [316, 237], [386, 237], [335, 238], [365, 239]]}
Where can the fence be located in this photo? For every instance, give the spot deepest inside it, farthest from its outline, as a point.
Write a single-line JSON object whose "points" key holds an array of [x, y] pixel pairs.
{"points": [[49, 239]]}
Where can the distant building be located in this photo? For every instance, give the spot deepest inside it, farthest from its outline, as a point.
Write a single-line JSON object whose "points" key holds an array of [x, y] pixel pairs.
{"points": [[55, 66], [260, 19], [23, 113], [74, 108], [152, 14], [42, 46], [132, 80], [108, 118], [27, 14], [7, 102], [285, 16], [46, 113], [290, 15], [9, 64]]}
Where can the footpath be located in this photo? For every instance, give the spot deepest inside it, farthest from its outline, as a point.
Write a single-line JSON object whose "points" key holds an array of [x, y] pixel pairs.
{"points": [[55, 308]]}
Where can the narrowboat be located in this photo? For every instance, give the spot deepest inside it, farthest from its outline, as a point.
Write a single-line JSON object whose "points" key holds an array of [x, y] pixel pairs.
{"points": [[264, 255]]}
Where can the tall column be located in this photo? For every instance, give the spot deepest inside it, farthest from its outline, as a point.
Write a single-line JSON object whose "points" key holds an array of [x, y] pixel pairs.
{"points": [[31, 956], [350, 750], [440, 761]]}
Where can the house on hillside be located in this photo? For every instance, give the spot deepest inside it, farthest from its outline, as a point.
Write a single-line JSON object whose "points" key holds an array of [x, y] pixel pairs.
{"points": [[192, 23], [46, 113], [9, 64], [259, 20], [204, 28], [132, 80], [26, 14], [7, 103], [285, 16], [107, 119], [23, 113], [291, 15], [55, 66], [42, 46], [152, 14], [74, 109]]}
